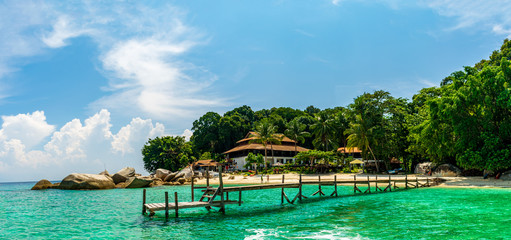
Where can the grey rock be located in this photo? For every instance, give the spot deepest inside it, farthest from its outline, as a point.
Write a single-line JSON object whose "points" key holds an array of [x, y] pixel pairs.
{"points": [[86, 181], [161, 173], [123, 175], [138, 182], [446, 170], [42, 185]]}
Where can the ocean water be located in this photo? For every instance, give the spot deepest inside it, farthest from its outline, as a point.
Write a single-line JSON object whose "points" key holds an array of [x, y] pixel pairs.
{"points": [[426, 213]]}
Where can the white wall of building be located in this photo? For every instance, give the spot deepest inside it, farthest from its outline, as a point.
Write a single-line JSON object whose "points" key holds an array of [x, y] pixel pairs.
{"points": [[241, 161]]}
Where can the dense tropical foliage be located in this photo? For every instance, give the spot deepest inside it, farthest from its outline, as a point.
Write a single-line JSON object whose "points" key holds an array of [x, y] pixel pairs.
{"points": [[465, 121]]}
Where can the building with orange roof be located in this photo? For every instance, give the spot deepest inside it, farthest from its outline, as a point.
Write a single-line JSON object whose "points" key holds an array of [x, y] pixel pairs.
{"points": [[282, 153]]}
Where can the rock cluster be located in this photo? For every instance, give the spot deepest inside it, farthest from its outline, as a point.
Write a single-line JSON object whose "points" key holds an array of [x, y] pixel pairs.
{"points": [[124, 178]]}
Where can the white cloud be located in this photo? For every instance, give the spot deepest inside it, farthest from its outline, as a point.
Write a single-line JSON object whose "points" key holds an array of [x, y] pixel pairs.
{"points": [[140, 47], [75, 147], [427, 83], [187, 134], [30, 129], [62, 30], [336, 2], [476, 14]]}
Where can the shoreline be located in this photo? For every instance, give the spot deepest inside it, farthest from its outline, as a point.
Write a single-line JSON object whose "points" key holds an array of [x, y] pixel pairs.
{"points": [[451, 182]]}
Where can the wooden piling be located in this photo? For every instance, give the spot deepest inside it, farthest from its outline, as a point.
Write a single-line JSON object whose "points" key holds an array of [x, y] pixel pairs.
{"points": [[192, 190], [355, 184], [143, 202], [300, 188], [319, 185], [239, 198], [390, 184], [335, 185], [406, 181], [166, 205], [221, 188], [176, 205], [282, 192], [427, 182], [416, 182], [207, 177], [368, 186]]}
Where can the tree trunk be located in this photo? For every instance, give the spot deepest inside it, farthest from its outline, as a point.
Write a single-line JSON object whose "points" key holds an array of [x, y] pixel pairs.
{"points": [[265, 157], [272, 155], [296, 152], [375, 162]]}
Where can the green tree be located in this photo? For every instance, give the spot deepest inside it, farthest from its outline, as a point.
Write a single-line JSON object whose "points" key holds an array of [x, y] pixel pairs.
{"points": [[359, 135], [167, 152], [265, 134], [254, 160], [313, 155], [205, 136], [296, 131], [323, 130]]}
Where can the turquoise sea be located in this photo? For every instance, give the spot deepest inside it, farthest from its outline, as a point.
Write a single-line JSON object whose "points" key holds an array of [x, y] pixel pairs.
{"points": [[426, 213]]}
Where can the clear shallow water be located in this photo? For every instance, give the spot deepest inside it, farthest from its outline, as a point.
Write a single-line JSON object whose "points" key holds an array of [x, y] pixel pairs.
{"points": [[427, 213]]}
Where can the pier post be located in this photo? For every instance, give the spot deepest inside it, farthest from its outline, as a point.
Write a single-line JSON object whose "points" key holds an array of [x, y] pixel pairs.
{"points": [[406, 181], [192, 191], [416, 182], [282, 192], [300, 188], [390, 185], [427, 182], [335, 185], [355, 184], [207, 177], [176, 207], [239, 198], [143, 202], [319, 185], [221, 188], [166, 205], [368, 185], [376, 184]]}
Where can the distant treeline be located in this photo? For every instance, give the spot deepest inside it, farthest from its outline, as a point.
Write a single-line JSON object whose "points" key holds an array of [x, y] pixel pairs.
{"points": [[466, 121]]}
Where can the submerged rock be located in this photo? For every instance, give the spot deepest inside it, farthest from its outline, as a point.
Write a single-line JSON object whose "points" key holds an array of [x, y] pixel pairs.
{"points": [[42, 185], [77, 181]]}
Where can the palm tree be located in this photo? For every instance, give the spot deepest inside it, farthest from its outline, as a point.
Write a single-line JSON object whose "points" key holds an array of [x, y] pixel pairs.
{"points": [[360, 136], [296, 131], [265, 134], [323, 131]]}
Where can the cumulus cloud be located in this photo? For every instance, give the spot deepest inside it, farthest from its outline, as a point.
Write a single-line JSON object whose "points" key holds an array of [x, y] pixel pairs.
{"points": [[87, 147], [30, 129]]}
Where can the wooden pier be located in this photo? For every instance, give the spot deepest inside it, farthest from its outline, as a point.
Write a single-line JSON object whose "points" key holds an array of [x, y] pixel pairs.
{"points": [[218, 197]]}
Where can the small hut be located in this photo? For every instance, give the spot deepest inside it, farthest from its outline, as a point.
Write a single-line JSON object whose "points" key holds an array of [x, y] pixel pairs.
{"points": [[207, 164]]}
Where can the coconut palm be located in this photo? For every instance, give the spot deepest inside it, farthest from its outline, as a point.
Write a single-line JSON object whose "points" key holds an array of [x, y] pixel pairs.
{"points": [[323, 131], [359, 135], [296, 131], [265, 134]]}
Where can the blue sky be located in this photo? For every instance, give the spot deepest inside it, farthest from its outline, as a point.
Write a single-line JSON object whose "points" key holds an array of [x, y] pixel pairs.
{"points": [[83, 84]]}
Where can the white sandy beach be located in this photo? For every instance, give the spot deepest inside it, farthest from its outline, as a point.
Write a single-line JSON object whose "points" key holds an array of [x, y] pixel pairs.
{"points": [[451, 182]]}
